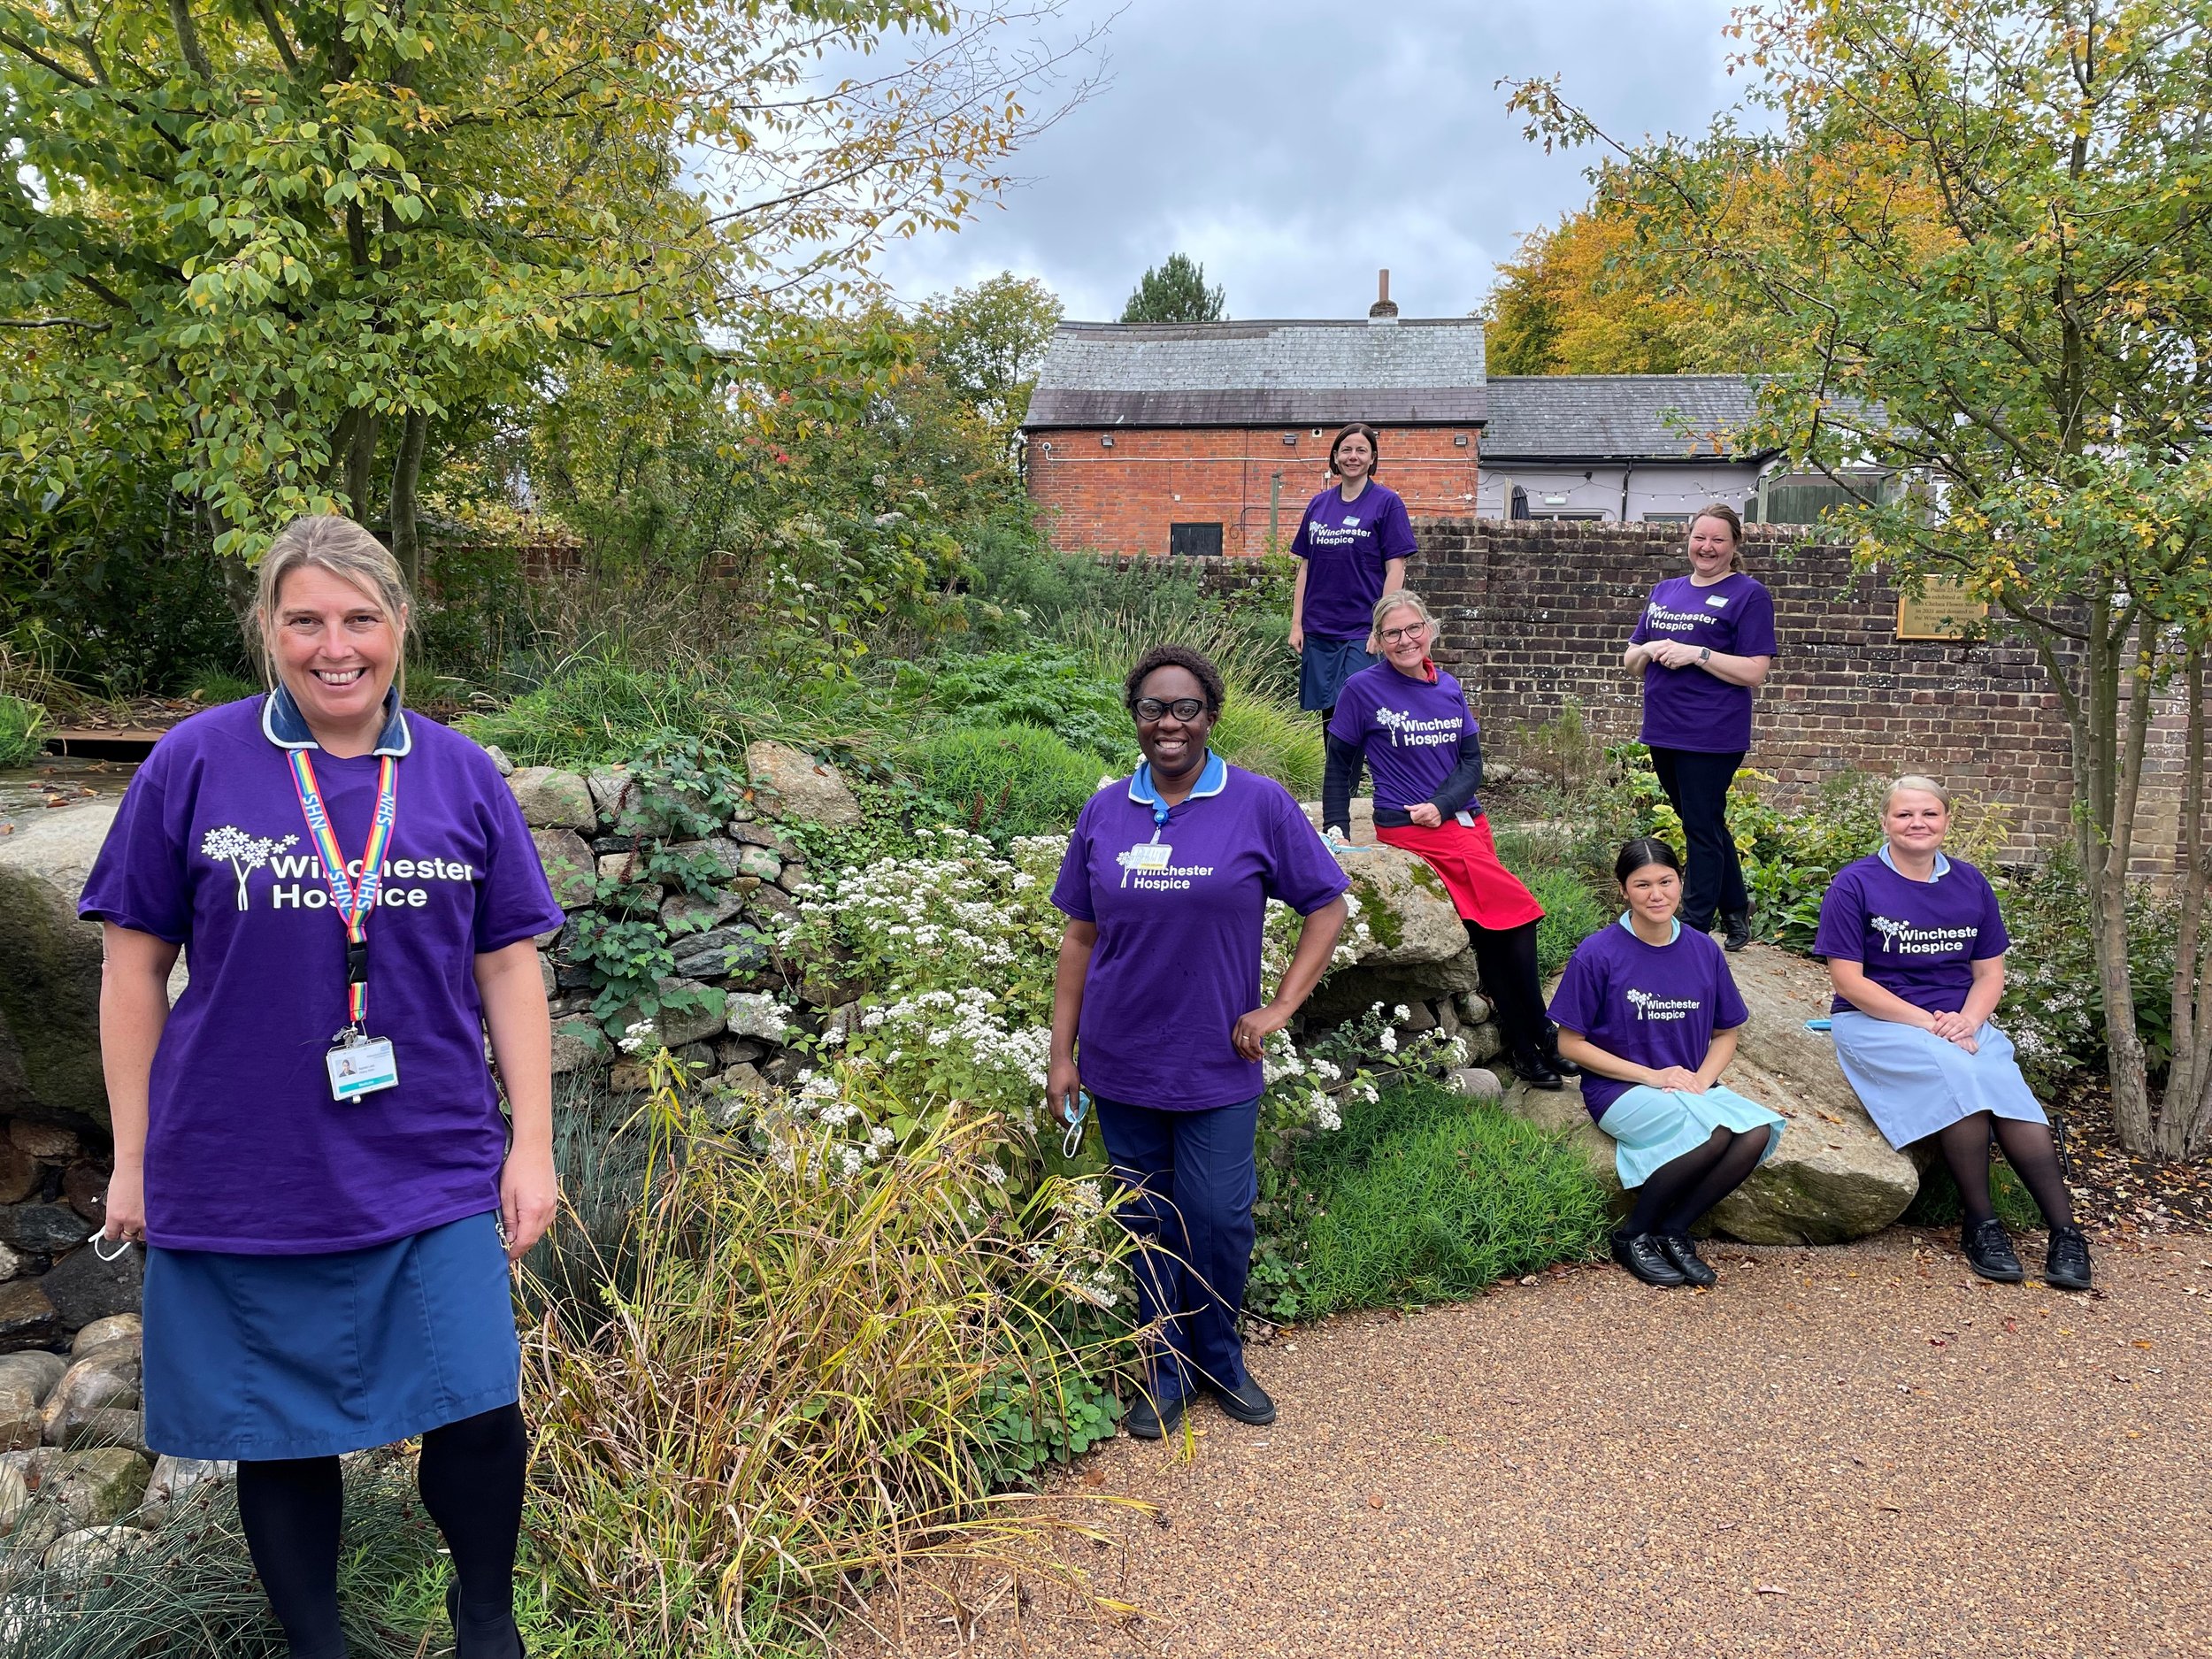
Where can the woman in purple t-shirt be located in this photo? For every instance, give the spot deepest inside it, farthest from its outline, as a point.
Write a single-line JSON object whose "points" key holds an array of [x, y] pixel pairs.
{"points": [[1351, 547], [1649, 1011], [329, 1219], [1916, 945], [1157, 1012], [1702, 643]]}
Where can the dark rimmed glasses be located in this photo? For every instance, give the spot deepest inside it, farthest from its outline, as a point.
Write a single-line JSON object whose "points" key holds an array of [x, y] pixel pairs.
{"points": [[1150, 708]]}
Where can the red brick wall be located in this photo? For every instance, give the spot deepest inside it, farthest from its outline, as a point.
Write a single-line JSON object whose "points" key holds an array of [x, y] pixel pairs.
{"points": [[1123, 500]]}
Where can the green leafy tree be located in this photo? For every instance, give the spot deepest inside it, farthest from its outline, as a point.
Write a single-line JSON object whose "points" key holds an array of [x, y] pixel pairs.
{"points": [[1973, 241], [1175, 291], [985, 344]]}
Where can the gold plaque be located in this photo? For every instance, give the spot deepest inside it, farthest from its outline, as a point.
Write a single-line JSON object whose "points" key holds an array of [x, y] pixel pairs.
{"points": [[1942, 611]]}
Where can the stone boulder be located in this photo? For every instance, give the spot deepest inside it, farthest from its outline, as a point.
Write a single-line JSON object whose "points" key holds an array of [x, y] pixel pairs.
{"points": [[553, 799], [179, 1481], [26, 1379], [622, 803], [49, 994], [677, 1027], [86, 1289], [28, 1319], [94, 1487], [799, 788], [569, 867], [107, 1377], [1834, 1178]]}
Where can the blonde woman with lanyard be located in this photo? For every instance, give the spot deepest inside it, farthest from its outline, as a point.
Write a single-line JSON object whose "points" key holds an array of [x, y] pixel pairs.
{"points": [[329, 1218]]}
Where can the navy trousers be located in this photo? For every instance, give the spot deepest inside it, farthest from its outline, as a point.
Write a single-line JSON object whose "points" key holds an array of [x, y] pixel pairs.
{"points": [[1697, 784], [1193, 1180]]}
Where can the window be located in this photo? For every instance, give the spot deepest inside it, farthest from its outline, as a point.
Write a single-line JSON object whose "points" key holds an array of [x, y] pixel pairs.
{"points": [[1194, 541], [1571, 518], [1666, 518]]}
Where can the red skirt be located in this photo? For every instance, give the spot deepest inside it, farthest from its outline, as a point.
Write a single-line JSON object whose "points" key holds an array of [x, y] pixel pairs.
{"points": [[1483, 890]]}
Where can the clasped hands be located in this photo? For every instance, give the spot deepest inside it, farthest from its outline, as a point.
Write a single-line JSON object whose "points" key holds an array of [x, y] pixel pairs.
{"points": [[1955, 1028], [1672, 653]]}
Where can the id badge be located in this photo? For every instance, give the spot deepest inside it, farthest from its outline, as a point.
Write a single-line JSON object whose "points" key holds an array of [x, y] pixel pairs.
{"points": [[361, 1068], [1149, 855]]}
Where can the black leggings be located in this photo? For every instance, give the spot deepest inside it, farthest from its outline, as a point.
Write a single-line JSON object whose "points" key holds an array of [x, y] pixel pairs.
{"points": [[1506, 959], [1697, 785], [1682, 1189], [471, 1479], [2028, 1148]]}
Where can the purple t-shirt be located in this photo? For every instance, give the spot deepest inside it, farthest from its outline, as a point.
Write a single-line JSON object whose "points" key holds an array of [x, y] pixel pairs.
{"points": [[1917, 938], [1654, 1005], [246, 1151], [1688, 708], [1412, 732], [1178, 959], [1345, 544]]}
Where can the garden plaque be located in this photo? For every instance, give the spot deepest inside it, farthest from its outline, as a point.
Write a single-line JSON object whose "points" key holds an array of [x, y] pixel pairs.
{"points": [[1940, 611]]}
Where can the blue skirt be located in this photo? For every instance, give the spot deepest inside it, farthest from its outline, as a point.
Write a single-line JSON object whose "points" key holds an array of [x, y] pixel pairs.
{"points": [[1651, 1127], [269, 1356], [1324, 664], [1913, 1082]]}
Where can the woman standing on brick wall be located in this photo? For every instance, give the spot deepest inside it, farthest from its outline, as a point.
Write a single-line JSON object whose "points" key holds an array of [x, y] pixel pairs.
{"points": [[1408, 721], [1351, 547], [1703, 642], [329, 1220]]}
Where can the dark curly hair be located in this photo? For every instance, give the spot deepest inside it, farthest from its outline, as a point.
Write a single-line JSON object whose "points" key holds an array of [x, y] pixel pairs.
{"points": [[1159, 656]]}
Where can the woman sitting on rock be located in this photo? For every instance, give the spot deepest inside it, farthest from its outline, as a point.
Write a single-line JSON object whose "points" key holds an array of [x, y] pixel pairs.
{"points": [[1916, 946], [1649, 1011], [1407, 721], [1156, 1011]]}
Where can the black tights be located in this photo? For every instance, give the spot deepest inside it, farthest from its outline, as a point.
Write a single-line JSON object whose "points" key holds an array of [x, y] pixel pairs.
{"points": [[471, 1477], [1682, 1189], [2028, 1148], [1506, 958]]}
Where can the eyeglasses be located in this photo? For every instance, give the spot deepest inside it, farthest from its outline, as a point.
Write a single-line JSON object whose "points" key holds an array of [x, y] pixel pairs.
{"points": [[1183, 708], [1397, 635]]}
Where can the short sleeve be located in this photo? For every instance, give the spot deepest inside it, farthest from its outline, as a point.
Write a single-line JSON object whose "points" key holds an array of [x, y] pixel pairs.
{"points": [[1394, 535], [1729, 1008], [1842, 934], [514, 902], [1641, 632], [138, 881], [1300, 547], [1578, 1003], [1072, 889], [1754, 624], [1994, 941], [1349, 722], [1304, 873]]}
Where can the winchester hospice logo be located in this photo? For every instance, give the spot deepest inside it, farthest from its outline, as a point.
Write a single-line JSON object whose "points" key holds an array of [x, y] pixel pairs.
{"points": [[1650, 1007], [1904, 939], [296, 879], [228, 844]]}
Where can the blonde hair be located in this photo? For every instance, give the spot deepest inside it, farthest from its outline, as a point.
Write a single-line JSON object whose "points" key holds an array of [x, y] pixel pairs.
{"points": [[341, 546], [1915, 783], [1404, 599]]}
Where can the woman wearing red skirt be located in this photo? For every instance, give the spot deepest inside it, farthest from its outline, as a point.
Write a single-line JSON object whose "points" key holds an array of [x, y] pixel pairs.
{"points": [[1407, 722]]}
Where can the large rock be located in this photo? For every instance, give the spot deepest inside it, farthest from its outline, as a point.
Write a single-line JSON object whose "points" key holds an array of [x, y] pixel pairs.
{"points": [[179, 1481], [569, 867], [94, 1487], [722, 953], [553, 799], [757, 1015], [1409, 917], [796, 786], [43, 1229], [26, 1381], [622, 803], [28, 1319], [1834, 1178], [49, 992], [106, 1376], [84, 1289], [676, 1026]]}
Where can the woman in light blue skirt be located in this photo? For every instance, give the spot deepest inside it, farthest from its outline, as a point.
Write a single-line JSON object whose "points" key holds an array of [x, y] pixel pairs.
{"points": [[1650, 1012], [1916, 946]]}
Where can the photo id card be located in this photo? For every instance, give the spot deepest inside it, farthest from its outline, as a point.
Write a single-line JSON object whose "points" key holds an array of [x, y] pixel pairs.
{"points": [[1149, 855], [361, 1068]]}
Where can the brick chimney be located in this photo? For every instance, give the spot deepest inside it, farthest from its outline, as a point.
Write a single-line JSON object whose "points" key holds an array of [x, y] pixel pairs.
{"points": [[1383, 310]]}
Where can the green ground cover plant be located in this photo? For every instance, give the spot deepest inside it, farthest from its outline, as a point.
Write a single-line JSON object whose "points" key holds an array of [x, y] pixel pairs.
{"points": [[22, 724], [1005, 781]]}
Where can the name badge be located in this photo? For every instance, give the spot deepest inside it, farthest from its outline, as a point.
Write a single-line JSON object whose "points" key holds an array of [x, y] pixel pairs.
{"points": [[361, 1068], [1149, 855]]}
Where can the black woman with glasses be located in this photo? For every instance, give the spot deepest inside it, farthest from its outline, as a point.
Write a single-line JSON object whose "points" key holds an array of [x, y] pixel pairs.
{"points": [[1407, 721], [1157, 1016]]}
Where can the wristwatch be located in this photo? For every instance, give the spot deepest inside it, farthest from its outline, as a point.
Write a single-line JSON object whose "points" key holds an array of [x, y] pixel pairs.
{"points": [[1706, 655]]}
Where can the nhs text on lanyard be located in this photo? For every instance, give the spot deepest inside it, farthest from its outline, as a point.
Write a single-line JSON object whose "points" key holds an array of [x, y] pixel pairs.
{"points": [[358, 1064]]}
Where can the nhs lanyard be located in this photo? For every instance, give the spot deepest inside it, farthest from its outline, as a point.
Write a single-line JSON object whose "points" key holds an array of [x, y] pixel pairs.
{"points": [[353, 899]]}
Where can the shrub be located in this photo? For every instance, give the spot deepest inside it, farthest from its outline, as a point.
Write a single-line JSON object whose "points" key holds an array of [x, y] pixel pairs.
{"points": [[1004, 781], [1571, 914], [1264, 736], [1055, 692], [20, 722], [2054, 1006]]}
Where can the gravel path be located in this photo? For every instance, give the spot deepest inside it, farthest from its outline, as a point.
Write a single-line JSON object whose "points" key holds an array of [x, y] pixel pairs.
{"points": [[1854, 1451]]}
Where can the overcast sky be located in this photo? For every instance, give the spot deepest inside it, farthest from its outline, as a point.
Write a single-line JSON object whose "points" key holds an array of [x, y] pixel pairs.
{"points": [[1294, 146]]}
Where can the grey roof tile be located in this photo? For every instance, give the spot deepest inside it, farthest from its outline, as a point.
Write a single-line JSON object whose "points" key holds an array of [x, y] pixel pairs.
{"points": [[1618, 417]]}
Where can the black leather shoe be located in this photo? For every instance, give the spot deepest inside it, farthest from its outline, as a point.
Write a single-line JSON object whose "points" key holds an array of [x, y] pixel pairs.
{"points": [[1557, 1060], [1537, 1073], [1738, 926], [1681, 1249], [1148, 1420], [453, 1617], [1640, 1254], [1988, 1251], [2066, 1263], [1248, 1404]]}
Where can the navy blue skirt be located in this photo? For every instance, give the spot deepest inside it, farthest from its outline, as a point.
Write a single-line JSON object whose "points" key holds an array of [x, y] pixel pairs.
{"points": [[268, 1357], [1324, 664]]}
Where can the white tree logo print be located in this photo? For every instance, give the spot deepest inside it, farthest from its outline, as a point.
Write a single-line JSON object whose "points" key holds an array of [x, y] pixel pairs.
{"points": [[244, 853], [1891, 931]]}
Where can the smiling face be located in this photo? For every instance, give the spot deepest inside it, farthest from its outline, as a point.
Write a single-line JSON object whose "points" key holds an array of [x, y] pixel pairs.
{"points": [[334, 649], [1406, 640], [1353, 458], [1174, 744], [1916, 822], [1712, 549], [1654, 893]]}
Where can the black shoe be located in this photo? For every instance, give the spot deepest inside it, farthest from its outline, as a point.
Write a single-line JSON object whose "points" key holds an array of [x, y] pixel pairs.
{"points": [[1988, 1251], [1148, 1420], [1681, 1249], [1248, 1404], [1640, 1255], [1557, 1060], [1535, 1070], [1738, 926], [2066, 1263], [453, 1617]]}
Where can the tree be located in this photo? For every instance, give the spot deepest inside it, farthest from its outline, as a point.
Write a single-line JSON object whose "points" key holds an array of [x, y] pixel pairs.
{"points": [[1175, 292], [985, 342], [1976, 247], [269, 248]]}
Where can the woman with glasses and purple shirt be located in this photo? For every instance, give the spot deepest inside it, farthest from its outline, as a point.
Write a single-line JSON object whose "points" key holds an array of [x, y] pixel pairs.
{"points": [[1351, 547], [1157, 1012]]}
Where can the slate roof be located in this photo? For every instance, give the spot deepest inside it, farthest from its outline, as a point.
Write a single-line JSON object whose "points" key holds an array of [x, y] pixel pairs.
{"points": [[1648, 417], [1422, 372]]}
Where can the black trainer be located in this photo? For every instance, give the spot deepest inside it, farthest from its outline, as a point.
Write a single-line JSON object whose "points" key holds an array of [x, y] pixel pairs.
{"points": [[1535, 1070], [1738, 926], [1641, 1254], [2066, 1263], [1988, 1251], [1248, 1404], [1681, 1249], [1148, 1420]]}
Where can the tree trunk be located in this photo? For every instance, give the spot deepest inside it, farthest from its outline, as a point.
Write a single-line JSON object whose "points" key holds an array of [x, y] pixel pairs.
{"points": [[2184, 1117], [361, 463], [406, 470]]}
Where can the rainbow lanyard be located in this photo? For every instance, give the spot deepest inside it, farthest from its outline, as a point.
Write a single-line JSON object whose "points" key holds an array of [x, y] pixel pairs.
{"points": [[353, 899]]}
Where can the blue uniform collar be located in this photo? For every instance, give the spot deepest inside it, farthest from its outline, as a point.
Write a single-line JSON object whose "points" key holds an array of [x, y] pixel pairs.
{"points": [[1942, 864], [1641, 939], [1213, 778], [283, 725]]}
